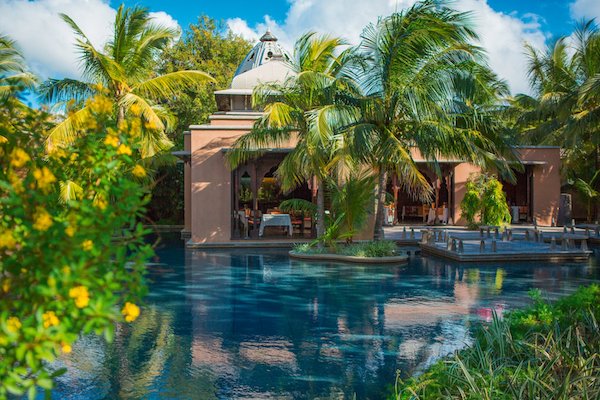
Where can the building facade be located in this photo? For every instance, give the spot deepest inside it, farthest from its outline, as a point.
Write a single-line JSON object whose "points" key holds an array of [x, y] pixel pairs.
{"points": [[224, 206]]}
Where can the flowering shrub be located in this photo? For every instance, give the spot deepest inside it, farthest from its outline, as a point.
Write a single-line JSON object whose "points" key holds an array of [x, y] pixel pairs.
{"points": [[73, 267]]}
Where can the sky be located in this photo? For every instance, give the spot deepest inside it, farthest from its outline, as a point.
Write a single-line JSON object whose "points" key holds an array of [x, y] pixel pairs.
{"points": [[503, 25]]}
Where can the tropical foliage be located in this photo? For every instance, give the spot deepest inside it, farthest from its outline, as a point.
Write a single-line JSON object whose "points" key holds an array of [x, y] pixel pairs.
{"points": [[484, 198], [427, 88], [294, 111], [14, 77], [565, 107], [66, 269], [209, 46], [125, 68], [546, 351]]}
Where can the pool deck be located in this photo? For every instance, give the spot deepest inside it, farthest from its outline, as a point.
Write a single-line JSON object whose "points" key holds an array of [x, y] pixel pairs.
{"points": [[402, 234], [489, 244], [506, 251]]}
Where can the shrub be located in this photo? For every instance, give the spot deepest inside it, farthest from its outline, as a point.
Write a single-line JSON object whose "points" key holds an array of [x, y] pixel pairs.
{"points": [[66, 268], [485, 198], [471, 204], [376, 248], [547, 351]]}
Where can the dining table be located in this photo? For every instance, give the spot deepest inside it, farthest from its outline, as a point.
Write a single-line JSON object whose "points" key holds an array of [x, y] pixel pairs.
{"points": [[283, 220]]}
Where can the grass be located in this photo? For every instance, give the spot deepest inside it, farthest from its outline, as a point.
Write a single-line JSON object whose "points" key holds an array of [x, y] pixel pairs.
{"points": [[380, 248], [546, 351]]}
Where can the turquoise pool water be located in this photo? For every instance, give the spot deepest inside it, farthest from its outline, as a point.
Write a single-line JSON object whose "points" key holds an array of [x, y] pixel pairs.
{"points": [[252, 324]]}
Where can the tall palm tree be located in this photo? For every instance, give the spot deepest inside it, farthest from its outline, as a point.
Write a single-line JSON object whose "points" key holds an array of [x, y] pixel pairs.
{"points": [[565, 107], [293, 111], [14, 76], [124, 70], [419, 91]]}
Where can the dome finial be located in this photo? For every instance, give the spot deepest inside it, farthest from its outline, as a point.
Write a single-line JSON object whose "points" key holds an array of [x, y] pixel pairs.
{"points": [[268, 36]]}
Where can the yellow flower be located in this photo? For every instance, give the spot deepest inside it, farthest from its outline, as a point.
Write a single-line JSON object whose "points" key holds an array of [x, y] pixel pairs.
{"points": [[81, 296], [130, 311], [87, 245], [70, 231], [136, 128], [57, 152], [13, 324], [50, 319], [111, 141], [139, 171], [74, 157], [151, 125], [16, 182], [124, 149], [101, 105], [66, 348], [19, 158], [100, 202], [42, 220], [66, 270], [6, 285], [3, 139], [7, 240], [44, 177], [135, 109]]}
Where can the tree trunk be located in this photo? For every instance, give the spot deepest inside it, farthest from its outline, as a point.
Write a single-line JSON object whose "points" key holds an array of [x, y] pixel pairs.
{"points": [[320, 209], [597, 166], [120, 115], [379, 203]]}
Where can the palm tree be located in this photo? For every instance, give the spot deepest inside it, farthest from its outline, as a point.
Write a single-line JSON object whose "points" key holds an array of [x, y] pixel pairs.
{"points": [[293, 111], [14, 77], [565, 107], [419, 91], [124, 71], [589, 191]]}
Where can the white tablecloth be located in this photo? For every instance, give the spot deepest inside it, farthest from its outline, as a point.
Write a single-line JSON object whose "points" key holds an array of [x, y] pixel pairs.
{"points": [[444, 217], [515, 213], [275, 220]]}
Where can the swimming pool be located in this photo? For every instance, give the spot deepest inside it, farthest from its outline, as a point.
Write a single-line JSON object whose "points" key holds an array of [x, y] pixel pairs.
{"points": [[253, 324]]}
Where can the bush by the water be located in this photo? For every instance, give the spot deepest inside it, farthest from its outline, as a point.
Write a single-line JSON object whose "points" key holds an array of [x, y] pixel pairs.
{"points": [[546, 351], [376, 248]]}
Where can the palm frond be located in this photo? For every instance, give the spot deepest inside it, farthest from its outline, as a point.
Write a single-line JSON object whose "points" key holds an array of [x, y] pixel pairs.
{"points": [[168, 85], [67, 131]]}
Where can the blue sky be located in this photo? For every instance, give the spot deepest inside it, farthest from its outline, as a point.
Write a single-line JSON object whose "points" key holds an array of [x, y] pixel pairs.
{"points": [[554, 14], [503, 25]]}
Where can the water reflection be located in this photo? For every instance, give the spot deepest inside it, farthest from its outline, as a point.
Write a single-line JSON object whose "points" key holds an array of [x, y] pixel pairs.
{"points": [[253, 324]]}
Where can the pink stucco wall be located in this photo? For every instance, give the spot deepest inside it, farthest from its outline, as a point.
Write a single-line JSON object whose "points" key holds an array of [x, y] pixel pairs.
{"points": [[208, 180], [546, 181]]}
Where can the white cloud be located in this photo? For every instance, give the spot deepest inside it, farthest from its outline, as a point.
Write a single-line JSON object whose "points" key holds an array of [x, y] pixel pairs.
{"points": [[585, 9], [502, 35], [48, 42], [164, 19]]}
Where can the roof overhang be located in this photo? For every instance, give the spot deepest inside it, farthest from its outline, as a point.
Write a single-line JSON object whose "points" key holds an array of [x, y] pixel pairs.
{"points": [[230, 92], [183, 155]]}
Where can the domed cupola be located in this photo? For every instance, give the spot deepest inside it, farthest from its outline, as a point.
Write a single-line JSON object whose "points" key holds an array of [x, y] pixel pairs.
{"points": [[264, 51], [267, 62]]}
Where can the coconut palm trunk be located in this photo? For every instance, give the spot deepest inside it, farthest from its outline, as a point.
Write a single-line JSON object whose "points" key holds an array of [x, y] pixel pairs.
{"points": [[320, 209], [378, 233]]}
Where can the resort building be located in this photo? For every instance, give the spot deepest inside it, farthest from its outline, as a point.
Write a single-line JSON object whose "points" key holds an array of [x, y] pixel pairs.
{"points": [[224, 206]]}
